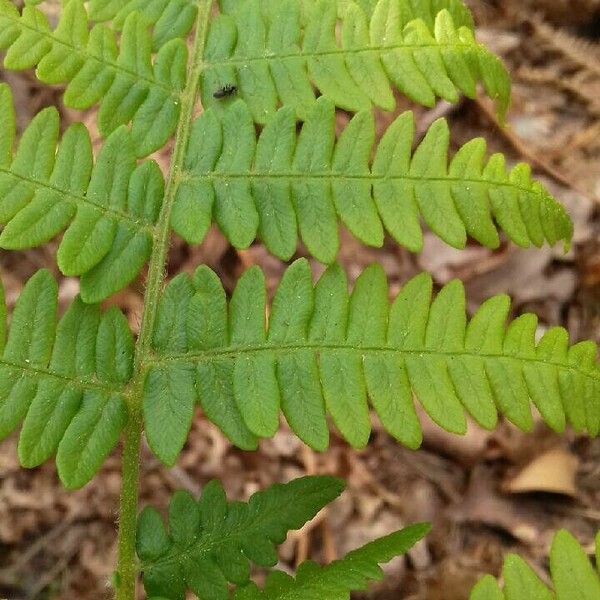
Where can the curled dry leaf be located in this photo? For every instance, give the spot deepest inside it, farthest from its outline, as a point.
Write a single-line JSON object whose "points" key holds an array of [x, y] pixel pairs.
{"points": [[553, 471]]}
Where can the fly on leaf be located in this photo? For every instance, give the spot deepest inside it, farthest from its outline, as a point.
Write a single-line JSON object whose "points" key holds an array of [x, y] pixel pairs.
{"points": [[225, 91]]}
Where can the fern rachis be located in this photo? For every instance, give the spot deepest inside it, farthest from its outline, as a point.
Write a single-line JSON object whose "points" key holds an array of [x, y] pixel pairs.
{"points": [[79, 382]]}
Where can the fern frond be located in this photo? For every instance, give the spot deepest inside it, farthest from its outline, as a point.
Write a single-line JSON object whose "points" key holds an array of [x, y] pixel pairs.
{"points": [[337, 580], [573, 577], [108, 208], [284, 181], [325, 351], [582, 53], [121, 77], [64, 381], [211, 542], [277, 57], [170, 19]]}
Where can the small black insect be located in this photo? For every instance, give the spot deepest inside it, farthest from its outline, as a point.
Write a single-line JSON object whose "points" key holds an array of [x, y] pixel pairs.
{"points": [[227, 90]]}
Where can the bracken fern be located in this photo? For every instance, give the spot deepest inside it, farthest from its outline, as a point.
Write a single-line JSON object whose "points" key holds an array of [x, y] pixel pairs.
{"points": [[263, 161]]}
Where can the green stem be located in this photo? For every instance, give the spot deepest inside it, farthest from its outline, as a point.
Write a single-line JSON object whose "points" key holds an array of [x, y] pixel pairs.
{"points": [[126, 565]]}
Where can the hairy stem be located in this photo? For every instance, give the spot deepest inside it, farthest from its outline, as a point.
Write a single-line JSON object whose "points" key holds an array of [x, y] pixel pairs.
{"points": [[126, 566]]}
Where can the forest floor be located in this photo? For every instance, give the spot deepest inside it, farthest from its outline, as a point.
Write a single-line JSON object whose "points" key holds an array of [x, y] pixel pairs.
{"points": [[487, 493]]}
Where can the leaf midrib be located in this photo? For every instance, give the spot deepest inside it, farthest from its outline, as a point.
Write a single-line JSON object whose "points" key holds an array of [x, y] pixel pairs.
{"points": [[372, 177], [238, 351], [271, 55], [85, 383]]}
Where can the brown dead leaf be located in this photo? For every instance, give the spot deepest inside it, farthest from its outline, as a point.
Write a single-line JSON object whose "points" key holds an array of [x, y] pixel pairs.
{"points": [[553, 471]]}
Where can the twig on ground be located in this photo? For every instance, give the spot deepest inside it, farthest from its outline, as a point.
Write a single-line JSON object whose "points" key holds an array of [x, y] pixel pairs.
{"points": [[530, 156]]}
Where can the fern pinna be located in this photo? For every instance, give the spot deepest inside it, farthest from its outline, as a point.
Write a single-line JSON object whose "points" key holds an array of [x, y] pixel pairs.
{"points": [[573, 577], [285, 183], [327, 351], [262, 161], [66, 381], [211, 542], [108, 209]]}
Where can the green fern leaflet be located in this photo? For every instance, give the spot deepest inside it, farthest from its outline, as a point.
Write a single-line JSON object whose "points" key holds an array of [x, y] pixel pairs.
{"points": [[108, 209], [325, 351], [64, 381], [336, 580], [275, 51], [279, 187], [284, 183], [243, 373], [211, 543], [573, 577]]}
